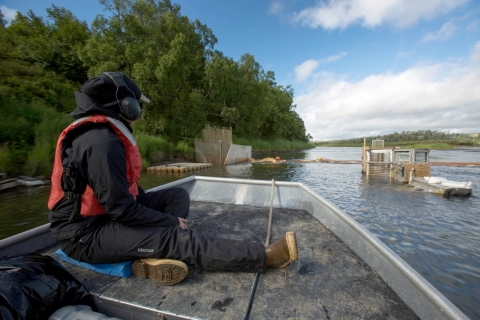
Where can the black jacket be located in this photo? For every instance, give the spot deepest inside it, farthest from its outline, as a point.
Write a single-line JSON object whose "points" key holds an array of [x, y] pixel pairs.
{"points": [[98, 156]]}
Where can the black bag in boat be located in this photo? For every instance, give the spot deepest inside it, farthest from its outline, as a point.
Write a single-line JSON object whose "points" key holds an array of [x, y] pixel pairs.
{"points": [[34, 286]]}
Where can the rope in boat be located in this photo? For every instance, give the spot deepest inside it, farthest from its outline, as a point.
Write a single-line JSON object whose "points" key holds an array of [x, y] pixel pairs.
{"points": [[267, 242]]}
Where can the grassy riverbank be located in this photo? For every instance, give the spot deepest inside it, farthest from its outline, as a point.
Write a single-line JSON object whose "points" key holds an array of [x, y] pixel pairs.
{"points": [[276, 145], [156, 149], [38, 160]]}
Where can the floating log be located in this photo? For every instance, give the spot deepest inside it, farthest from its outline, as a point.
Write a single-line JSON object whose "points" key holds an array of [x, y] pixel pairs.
{"points": [[321, 160], [179, 167], [8, 184], [268, 160]]}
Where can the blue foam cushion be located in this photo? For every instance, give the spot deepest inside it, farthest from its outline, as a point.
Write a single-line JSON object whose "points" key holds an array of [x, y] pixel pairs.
{"points": [[119, 269]]}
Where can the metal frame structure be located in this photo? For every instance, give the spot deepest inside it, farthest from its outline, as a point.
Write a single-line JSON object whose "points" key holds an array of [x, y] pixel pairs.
{"points": [[391, 161]]}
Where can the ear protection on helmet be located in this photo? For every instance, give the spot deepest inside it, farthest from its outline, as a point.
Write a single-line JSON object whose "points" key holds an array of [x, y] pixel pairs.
{"points": [[129, 107]]}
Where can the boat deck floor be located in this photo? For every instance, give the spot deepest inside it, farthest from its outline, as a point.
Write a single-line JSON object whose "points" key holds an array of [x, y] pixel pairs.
{"points": [[328, 281]]}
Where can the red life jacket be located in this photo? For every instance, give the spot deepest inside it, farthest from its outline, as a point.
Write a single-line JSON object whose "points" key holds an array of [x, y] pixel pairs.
{"points": [[89, 202]]}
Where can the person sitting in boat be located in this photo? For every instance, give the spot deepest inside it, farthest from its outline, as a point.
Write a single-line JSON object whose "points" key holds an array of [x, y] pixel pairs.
{"points": [[99, 214]]}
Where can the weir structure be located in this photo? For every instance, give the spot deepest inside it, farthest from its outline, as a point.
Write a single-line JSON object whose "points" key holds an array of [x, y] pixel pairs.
{"points": [[397, 163], [216, 147]]}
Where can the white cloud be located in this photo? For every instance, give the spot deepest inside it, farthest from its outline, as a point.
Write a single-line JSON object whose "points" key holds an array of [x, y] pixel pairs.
{"points": [[445, 32], [333, 58], [475, 56], [8, 13], [437, 97], [333, 14], [404, 54], [304, 70], [275, 7], [473, 26]]}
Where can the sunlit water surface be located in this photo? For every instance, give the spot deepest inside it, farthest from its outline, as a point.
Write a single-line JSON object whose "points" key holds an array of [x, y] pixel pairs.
{"points": [[438, 237]]}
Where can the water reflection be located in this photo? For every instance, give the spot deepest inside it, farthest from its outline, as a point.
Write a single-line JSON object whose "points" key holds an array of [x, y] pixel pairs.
{"points": [[23, 209], [287, 171], [438, 237]]}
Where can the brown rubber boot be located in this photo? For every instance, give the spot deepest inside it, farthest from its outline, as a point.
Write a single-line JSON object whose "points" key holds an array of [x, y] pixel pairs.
{"points": [[166, 272], [283, 252]]}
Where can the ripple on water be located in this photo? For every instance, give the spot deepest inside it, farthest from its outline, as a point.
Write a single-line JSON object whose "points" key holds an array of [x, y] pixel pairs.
{"points": [[438, 237]]}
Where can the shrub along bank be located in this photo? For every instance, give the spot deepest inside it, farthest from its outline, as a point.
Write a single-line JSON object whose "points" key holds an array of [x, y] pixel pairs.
{"points": [[275, 145]]}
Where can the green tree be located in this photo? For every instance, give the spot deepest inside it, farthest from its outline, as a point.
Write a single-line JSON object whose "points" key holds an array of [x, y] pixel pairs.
{"points": [[5, 47], [23, 68], [51, 44], [163, 51], [242, 95], [221, 90], [190, 85], [252, 94], [32, 95]]}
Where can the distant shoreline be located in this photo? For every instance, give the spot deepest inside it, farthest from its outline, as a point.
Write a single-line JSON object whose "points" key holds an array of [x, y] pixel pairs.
{"points": [[453, 148]]}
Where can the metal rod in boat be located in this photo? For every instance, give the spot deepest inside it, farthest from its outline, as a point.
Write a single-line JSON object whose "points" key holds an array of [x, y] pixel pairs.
{"points": [[269, 228], [267, 242]]}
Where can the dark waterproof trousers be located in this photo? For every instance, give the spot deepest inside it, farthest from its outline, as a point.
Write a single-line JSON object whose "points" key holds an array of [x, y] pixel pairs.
{"points": [[115, 242]]}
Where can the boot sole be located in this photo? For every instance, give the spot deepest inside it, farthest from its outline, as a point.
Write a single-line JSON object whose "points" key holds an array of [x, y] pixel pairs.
{"points": [[292, 248], [166, 272]]}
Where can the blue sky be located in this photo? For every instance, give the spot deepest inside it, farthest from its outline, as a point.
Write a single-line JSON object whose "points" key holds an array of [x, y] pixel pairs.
{"points": [[358, 67]]}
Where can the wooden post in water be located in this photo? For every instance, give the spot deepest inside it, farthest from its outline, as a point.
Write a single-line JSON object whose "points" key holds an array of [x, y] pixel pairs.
{"points": [[220, 160], [363, 154]]}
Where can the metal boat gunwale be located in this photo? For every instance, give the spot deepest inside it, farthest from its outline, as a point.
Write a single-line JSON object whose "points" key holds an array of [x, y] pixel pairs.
{"points": [[425, 300], [24, 235]]}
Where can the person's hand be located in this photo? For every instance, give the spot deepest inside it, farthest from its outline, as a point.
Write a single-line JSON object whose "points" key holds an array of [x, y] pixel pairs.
{"points": [[182, 224]]}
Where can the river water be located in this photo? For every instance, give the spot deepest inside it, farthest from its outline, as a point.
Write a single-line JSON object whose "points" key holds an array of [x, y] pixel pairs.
{"points": [[438, 237]]}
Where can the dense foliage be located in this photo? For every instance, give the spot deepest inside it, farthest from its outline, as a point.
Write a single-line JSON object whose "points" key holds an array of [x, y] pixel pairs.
{"points": [[173, 60]]}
